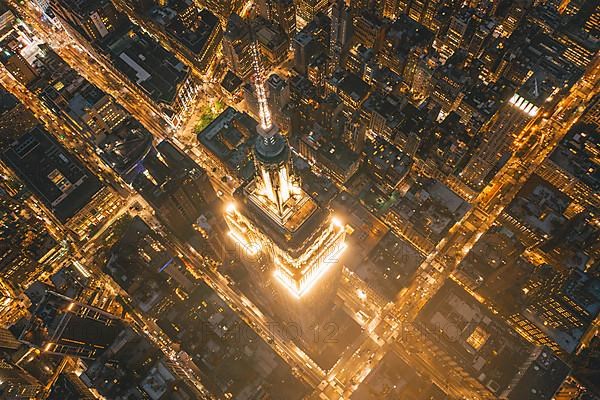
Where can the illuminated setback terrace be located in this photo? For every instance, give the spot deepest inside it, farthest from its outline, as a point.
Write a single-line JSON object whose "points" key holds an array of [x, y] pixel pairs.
{"points": [[301, 249]]}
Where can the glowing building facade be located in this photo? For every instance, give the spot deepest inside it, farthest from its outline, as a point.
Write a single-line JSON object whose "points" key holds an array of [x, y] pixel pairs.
{"points": [[274, 221]]}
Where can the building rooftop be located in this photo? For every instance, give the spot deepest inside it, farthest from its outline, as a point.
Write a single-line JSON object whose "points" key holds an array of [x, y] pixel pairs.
{"points": [[541, 377], [69, 386], [270, 36], [578, 154], [483, 344], [294, 235], [387, 161], [230, 138], [231, 82], [405, 33], [61, 325], [540, 206], [431, 207], [388, 107], [24, 242], [574, 293], [15, 118], [487, 99], [390, 266], [137, 368], [7, 101], [542, 53], [163, 171], [447, 145], [139, 256], [84, 7], [497, 254], [393, 378], [350, 85], [333, 154], [193, 36], [125, 147], [63, 184], [14, 381], [146, 63]]}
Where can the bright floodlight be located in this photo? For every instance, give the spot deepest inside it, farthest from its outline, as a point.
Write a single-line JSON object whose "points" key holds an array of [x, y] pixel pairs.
{"points": [[230, 209], [337, 222]]}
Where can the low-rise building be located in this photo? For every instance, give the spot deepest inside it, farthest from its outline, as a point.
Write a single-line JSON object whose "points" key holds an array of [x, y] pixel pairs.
{"points": [[331, 155], [69, 190]]}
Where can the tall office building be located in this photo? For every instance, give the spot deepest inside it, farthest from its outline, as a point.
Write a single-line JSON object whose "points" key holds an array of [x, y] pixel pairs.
{"points": [[406, 41], [307, 9], [94, 19], [368, 30], [429, 14], [592, 23], [8, 340], [291, 240], [511, 21], [75, 196], [278, 92], [17, 66], [423, 11], [389, 9], [457, 34], [175, 186], [592, 113], [559, 307], [69, 386], [142, 6], [195, 34], [85, 106], [415, 9], [340, 25], [16, 383], [478, 42], [499, 134], [25, 244], [281, 12], [317, 72], [272, 40], [7, 19], [237, 41], [222, 8], [167, 84]]}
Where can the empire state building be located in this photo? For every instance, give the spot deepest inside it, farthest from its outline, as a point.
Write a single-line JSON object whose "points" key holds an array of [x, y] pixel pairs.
{"points": [[291, 240]]}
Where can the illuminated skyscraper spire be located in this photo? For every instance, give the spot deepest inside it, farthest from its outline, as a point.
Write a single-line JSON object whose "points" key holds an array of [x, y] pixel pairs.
{"points": [[271, 152], [280, 220], [261, 95]]}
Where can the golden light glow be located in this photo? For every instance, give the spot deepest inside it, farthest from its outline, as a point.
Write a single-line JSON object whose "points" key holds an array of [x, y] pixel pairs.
{"points": [[277, 192], [337, 222], [250, 248], [230, 209], [361, 294], [267, 188], [302, 287], [81, 269], [284, 184], [298, 274], [263, 108], [524, 105]]}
